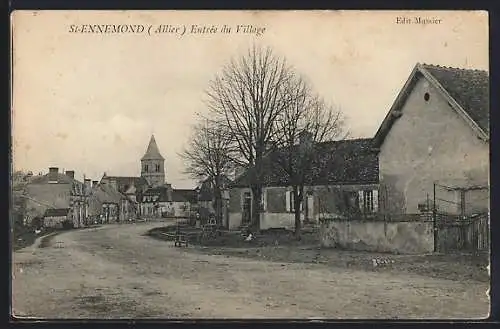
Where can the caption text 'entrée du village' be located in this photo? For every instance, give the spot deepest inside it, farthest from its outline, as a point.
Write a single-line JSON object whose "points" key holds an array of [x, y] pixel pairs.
{"points": [[195, 29]]}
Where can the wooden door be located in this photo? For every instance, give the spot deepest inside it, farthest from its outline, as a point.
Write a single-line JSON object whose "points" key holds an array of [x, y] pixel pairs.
{"points": [[310, 208], [247, 208]]}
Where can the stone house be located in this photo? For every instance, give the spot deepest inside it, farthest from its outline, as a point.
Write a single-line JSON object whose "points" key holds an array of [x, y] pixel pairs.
{"points": [[108, 204], [128, 188], [164, 201], [155, 202], [56, 218], [183, 200], [436, 131], [59, 191], [343, 183]]}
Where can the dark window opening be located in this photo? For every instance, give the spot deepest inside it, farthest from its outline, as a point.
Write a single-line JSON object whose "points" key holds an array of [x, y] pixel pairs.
{"points": [[426, 96]]}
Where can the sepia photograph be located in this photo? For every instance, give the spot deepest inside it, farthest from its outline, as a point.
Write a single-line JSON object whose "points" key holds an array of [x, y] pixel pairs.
{"points": [[306, 165]]}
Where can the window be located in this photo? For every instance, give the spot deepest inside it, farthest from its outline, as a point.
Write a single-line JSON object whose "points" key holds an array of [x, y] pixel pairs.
{"points": [[157, 167], [290, 201], [368, 201], [146, 168], [264, 200]]}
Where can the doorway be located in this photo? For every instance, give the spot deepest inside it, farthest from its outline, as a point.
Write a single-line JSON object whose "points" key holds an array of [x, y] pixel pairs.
{"points": [[247, 208]]}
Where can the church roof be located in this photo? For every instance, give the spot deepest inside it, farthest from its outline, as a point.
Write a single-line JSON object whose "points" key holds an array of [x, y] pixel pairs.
{"points": [[152, 153]]}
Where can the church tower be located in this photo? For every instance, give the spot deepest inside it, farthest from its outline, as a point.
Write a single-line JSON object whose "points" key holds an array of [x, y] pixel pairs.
{"points": [[153, 164]]}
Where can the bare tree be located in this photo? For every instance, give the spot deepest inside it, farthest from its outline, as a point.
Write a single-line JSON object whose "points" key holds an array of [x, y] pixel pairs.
{"points": [[208, 158], [306, 122], [246, 97]]}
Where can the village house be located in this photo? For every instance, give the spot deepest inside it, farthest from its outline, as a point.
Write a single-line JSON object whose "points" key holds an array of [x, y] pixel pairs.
{"points": [[155, 202], [164, 201], [343, 183], [433, 153], [108, 204], [183, 201], [56, 190], [56, 218], [437, 131]]}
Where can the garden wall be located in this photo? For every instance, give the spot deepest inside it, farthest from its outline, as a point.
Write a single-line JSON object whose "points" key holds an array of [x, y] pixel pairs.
{"points": [[411, 237]]}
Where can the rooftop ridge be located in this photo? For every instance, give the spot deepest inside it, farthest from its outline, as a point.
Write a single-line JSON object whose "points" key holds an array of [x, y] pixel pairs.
{"points": [[452, 67]]}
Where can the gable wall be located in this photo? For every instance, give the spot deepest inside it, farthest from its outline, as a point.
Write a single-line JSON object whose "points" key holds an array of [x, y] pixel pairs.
{"points": [[429, 142]]}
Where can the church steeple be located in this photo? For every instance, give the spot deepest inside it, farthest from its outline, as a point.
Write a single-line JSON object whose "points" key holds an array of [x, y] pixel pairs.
{"points": [[152, 152], [153, 164]]}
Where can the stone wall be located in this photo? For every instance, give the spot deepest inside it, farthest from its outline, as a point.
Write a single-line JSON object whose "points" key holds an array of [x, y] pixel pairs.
{"points": [[398, 237]]}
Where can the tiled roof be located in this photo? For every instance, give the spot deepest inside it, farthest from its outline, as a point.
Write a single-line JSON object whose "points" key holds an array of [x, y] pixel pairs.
{"points": [[206, 192], [163, 192], [44, 179], [152, 152], [182, 195], [56, 212], [101, 194], [125, 182], [469, 88], [337, 162]]}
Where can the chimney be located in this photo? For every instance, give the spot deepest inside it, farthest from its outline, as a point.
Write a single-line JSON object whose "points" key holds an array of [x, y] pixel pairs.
{"points": [[94, 183], [88, 184], [53, 174], [70, 174]]}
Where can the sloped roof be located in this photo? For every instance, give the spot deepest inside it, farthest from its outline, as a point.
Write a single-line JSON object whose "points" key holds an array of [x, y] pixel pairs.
{"points": [[206, 192], [349, 161], [60, 212], [470, 88], [61, 179], [183, 195], [163, 193], [467, 92], [152, 152], [124, 183], [105, 193]]}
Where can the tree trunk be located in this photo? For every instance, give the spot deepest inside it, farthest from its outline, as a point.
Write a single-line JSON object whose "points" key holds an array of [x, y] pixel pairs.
{"points": [[298, 195], [218, 208], [256, 207]]}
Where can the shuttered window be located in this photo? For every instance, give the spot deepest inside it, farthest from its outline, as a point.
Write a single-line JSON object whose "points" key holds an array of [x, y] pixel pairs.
{"points": [[290, 201], [264, 199], [368, 201]]}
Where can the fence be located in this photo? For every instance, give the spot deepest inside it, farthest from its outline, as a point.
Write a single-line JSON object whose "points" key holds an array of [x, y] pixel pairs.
{"points": [[457, 233], [449, 219], [461, 219]]}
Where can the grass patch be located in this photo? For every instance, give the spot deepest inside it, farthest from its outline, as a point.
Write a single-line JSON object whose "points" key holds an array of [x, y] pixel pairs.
{"points": [[23, 239], [234, 239], [47, 239]]}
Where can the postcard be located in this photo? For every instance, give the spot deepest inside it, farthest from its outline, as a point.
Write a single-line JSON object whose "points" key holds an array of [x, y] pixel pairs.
{"points": [[307, 165]]}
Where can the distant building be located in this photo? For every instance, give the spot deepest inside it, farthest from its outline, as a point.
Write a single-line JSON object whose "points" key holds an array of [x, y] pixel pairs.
{"points": [[58, 191], [56, 218], [153, 165]]}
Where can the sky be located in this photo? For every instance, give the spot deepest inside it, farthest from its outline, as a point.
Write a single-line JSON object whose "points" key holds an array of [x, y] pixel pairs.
{"points": [[89, 102]]}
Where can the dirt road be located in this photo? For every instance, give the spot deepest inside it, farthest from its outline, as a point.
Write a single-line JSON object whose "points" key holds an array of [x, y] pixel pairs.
{"points": [[116, 272]]}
